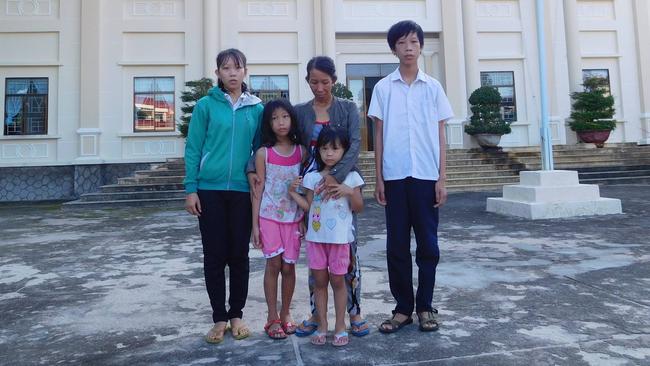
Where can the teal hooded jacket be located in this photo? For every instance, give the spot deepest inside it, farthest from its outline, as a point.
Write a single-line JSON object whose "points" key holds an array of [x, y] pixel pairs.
{"points": [[220, 141]]}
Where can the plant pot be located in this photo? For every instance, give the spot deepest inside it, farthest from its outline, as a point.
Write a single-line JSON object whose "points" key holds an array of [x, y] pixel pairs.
{"points": [[595, 137], [488, 140]]}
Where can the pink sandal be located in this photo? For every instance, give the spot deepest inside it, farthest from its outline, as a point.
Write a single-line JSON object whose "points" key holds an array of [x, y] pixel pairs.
{"points": [[318, 339], [277, 333], [341, 339], [289, 327]]}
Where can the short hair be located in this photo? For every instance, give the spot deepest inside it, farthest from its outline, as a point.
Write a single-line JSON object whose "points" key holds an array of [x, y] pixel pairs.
{"points": [[238, 58], [330, 135], [268, 136], [322, 64], [404, 28]]}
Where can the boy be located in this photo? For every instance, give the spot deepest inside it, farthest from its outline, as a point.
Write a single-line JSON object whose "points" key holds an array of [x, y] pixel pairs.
{"points": [[409, 109]]}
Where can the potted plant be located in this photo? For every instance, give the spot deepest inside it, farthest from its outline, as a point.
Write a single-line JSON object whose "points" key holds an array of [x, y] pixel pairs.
{"points": [[197, 89], [486, 124], [593, 112]]}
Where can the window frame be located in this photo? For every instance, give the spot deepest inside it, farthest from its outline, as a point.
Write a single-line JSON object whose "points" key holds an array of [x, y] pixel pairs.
{"points": [[259, 92], [154, 93], [514, 93], [609, 82], [24, 107]]}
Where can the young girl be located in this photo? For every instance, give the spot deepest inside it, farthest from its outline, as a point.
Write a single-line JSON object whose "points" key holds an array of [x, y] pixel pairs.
{"points": [[223, 133], [330, 230], [276, 217]]}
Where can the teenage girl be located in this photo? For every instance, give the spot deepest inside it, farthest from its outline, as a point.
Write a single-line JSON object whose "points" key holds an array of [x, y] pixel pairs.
{"points": [[277, 217]]}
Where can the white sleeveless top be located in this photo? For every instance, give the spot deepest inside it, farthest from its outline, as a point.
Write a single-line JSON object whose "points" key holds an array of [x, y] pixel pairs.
{"points": [[277, 205]]}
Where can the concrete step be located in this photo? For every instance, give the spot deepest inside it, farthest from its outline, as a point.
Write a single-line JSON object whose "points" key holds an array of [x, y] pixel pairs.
{"points": [[575, 165], [645, 179], [172, 179], [96, 205], [131, 195], [613, 174], [112, 188], [159, 173]]}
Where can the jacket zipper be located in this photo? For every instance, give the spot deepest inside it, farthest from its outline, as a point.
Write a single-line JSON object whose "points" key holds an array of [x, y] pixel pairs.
{"points": [[232, 142]]}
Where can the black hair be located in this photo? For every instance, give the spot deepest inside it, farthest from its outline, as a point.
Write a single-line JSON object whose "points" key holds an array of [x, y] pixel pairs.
{"points": [[238, 58], [330, 135], [268, 136], [404, 28], [322, 64]]}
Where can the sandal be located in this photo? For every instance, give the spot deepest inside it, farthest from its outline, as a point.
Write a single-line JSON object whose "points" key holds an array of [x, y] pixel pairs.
{"points": [[394, 325], [275, 333], [318, 339], [289, 328], [428, 321], [240, 332], [216, 334], [358, 332], [341, 339], [311, 328]]}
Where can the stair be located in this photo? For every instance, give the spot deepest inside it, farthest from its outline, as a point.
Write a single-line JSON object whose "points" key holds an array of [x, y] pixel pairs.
{"points": [[161, 186]]}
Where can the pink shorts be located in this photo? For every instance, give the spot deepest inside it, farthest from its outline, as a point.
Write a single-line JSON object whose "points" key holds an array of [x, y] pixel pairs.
{"points": [[334, 256], [280, 238]]}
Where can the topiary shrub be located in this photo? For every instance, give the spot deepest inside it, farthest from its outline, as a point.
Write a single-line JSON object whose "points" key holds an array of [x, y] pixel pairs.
{"points": [[486, 113], [197, 89], [341, 91], [593, 109]]}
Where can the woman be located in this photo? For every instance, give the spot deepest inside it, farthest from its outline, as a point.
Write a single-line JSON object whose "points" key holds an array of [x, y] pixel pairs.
{"points": [[325, 109]]}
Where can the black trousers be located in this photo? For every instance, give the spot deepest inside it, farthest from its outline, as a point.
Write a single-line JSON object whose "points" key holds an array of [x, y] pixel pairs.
{"points": [[410, 205], [225, 224]]}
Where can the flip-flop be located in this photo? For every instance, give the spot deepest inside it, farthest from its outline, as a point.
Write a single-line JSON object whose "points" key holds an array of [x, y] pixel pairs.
{"points": [[341, 339], [277, 333], [242, 332], [289, 328], [305, 333], [359, 324], [318, 338], [394, 325], [211, 337]]}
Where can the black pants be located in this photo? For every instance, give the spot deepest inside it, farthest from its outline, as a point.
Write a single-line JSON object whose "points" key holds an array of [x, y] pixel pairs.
{"points": [[410, 204], [225, 224]]}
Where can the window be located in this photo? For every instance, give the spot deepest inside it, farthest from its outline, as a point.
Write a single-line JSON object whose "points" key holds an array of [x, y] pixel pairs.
{"points": [[270, 87], [26, 106], [153, 104], [504, 82], [597, 73]]}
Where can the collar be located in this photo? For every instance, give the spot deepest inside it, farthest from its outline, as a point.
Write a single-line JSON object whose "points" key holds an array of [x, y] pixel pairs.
{"points": [[396, 75]]}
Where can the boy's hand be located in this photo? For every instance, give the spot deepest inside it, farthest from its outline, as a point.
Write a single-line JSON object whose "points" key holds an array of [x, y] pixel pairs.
{"points": [[379, 192], [297, 183], [441, 193], [193, 204], [256, 237]]}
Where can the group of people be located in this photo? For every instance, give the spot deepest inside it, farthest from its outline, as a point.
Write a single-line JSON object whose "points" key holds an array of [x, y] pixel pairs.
{"points": [[279, 175]]}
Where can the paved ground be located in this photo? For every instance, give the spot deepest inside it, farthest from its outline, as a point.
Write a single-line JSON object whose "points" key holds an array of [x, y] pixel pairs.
{"points": [[126, 287]]}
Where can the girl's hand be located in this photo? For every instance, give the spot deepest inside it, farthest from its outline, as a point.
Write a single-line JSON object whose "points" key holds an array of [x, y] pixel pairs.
{"points": [[193, 204], [256, 237], [297, 183], [255, 184], [302, 228]]}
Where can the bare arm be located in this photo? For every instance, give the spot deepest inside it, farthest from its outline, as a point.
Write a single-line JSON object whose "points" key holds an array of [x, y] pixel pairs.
{"points": [[301, 200], [356, 200], [441, 190], [379, 153], [260, 168]]}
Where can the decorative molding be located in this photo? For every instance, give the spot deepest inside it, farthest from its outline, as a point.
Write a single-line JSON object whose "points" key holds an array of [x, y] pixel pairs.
{"points": [[154, 8], [28, 7], [25, 151], [160, 147], [267, 8], [486, 10], [600, 9], [88, 145]]}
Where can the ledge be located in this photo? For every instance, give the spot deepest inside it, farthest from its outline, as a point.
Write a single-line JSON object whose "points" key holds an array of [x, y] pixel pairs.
{"points": [[152, 63], [28, 137], [149, 134]]}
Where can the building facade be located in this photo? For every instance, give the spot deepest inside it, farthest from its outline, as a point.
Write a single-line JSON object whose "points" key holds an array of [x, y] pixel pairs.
{"points": [[94, 85]]}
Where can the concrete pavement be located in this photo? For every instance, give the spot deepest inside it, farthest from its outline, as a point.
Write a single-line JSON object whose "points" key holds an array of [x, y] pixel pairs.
{"points": [[125, 286]]}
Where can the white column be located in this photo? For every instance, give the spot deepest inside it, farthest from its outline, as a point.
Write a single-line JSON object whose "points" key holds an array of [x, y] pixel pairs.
{"points": [[472, 72], [328, 29], [642, 30], [210, 36], [454, 73], [90, 80], [574, 58]]}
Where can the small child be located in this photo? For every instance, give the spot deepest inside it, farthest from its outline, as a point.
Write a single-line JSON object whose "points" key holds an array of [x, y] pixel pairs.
{"points": [[276, 217], [330, 230]]}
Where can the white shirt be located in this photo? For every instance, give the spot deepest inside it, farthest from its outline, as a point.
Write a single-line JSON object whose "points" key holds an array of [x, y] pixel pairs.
{"points": [[330, 222], [410, 134]]}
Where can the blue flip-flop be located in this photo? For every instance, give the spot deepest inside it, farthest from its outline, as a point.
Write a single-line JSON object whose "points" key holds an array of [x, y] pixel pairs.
{"points": [[305, 333], [359, 333]]}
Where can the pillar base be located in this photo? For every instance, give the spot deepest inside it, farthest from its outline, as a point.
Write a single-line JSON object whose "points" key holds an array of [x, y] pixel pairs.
{"points": [[552, 194]]}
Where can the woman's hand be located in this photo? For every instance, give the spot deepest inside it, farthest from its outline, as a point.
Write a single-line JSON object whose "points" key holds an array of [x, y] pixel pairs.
{"points": [[193, 204], [325, 185], [337, 191], [255, 235]]}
